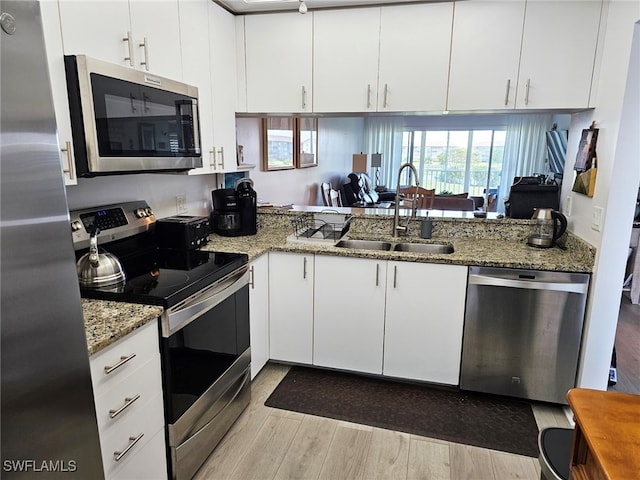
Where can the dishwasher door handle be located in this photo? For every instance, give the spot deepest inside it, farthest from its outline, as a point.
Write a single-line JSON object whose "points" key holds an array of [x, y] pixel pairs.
{"points": [[493, 281]]}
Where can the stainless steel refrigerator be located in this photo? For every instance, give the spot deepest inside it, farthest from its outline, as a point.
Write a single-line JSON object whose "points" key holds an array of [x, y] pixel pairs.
{"points": [[48, 424]]}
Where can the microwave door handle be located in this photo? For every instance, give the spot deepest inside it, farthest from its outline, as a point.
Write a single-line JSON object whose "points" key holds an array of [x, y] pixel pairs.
{"points": [[193, 107], [196, 125]]}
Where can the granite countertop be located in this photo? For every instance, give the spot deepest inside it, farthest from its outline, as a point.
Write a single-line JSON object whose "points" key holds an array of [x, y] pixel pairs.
{"points": [[106, 322], [491, 249]]}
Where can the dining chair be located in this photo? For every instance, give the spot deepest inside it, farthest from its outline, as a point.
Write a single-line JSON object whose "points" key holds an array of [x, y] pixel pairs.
{"points": [[423, 196], [325, 188]]}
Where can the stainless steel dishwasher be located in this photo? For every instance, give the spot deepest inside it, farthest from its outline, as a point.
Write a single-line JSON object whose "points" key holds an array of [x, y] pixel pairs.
{"points": [[522, 332]]}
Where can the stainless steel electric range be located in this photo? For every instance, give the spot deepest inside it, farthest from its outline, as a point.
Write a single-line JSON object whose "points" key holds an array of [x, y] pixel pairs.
{"points": [[204, 330]]}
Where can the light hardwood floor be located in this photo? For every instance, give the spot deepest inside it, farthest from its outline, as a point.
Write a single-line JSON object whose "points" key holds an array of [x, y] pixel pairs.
{"points": [[267, 443], [627, 351]]}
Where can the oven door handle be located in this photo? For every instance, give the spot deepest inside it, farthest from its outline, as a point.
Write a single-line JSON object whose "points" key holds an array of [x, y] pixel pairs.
{"points": [[188, 310]]}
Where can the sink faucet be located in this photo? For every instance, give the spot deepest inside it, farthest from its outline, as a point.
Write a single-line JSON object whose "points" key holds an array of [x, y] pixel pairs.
{"points": [[397, 228]]}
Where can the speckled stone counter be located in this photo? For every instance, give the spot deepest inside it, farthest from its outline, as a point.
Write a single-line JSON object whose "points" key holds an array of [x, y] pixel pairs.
{"points": [[106, 322], [492, 241]]}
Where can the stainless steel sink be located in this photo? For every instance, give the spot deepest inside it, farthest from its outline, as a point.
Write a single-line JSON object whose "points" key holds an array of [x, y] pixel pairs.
{"points": [[364, 244], [423, 247]]}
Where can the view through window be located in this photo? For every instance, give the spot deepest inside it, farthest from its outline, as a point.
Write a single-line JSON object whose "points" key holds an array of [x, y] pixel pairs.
{"points": [[456, 161]]}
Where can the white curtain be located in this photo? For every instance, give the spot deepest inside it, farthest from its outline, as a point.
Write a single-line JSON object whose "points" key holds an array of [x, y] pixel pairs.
{"points": [[384, 135], [525, 150]]}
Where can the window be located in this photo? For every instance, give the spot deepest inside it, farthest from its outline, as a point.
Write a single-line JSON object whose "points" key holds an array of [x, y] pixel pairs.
{"points": [[456, 161], [289, 142]]}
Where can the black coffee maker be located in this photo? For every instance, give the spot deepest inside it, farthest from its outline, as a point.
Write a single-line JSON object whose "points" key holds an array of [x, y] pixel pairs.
{"points": [[234, 210]]}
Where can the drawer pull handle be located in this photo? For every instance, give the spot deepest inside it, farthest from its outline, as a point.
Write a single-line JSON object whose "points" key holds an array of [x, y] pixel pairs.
{"points": [[123, 359], [132, 441], [127, 403]]}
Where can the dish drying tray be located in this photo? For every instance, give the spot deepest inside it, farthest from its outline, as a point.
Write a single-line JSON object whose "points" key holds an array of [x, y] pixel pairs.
{"points": [[322, 227]]}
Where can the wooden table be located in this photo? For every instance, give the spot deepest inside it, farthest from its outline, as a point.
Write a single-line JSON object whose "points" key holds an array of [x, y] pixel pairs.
{"points": [[606, 443]]}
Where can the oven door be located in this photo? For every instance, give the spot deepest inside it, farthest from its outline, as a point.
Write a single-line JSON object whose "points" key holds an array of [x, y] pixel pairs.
{"points": [[206, 368]]}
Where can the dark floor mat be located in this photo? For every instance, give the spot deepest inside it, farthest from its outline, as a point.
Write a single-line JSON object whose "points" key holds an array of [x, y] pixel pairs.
{"points": [[481, 420]]}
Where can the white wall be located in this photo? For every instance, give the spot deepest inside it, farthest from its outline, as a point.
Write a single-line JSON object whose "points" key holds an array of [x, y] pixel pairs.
{"points": [[338, 140], [158, 190], [618, 149]]}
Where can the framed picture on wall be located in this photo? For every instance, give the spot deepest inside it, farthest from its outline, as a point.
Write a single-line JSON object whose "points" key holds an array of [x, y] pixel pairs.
{"points": [[586, 150]]}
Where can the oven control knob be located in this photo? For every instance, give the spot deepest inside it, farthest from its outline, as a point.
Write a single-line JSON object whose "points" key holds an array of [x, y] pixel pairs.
{"points": [[148, 212], [140, 213], [76, 225]]}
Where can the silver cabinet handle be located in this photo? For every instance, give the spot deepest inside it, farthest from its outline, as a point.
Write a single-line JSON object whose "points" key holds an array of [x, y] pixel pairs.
{"points": [[128, 401], [145, 47], [369, 95], [304, 98], [395, 276], [526, 92], [123, 359], [386, 91], [252, 278], [506, 94], [221, 163], [132, 441], [69, 169], [304, 268], [129, 41], [212, 158], [377, 274]]}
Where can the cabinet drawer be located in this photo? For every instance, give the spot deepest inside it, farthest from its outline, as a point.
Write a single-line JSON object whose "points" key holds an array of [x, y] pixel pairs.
{"points": [[129, 396], [149, 463], [119, 438], [139, 346]]}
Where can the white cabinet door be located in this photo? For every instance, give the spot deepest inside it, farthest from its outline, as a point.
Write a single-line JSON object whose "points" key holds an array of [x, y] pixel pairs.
{"points": [[348, 330], [424, 320], [291, 278], [279, 55], [97, 28], [194, 26], [345, 60], [414, 57], [259, 313], [222, 44], [55, 58], [156, 34], [485, 52], [558, 54]]}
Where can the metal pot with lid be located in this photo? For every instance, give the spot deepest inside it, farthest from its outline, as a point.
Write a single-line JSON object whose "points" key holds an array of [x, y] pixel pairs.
{"points": [[99, 269]]}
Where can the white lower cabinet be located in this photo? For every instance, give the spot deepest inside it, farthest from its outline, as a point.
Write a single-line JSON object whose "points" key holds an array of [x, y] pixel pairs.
{"points": [[349, 303], [291, 279], [127, 386], [424, 320], [259, 313]]}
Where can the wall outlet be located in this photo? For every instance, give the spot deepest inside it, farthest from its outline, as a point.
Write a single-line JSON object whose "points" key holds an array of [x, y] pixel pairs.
{"points": [[181, 204], [596, 218], [567, 205]]}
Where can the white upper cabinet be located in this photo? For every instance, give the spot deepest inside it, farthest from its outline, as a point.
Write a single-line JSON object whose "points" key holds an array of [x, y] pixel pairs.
{"points": [[558, 53], [115, 31], [97, 28], [194, 26], [414, 57], [155, 28], [345, 60], [485, 52], [279, 56], [55, 58], [222, 49]]}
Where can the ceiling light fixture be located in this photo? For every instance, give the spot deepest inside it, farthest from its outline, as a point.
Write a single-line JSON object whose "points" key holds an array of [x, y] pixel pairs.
{"points": [[303, 7]]}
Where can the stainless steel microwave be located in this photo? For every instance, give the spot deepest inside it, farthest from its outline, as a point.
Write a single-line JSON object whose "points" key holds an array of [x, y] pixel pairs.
{"points": [[129, 121]]}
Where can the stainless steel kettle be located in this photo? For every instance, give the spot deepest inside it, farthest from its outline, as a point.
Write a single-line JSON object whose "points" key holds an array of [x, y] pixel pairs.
{"points": [[548, 226], [99, 269]]}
